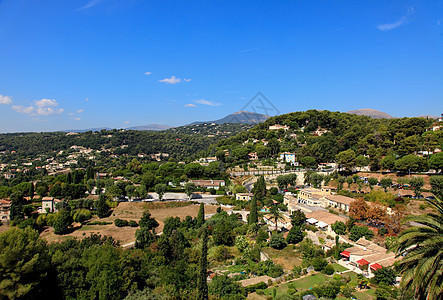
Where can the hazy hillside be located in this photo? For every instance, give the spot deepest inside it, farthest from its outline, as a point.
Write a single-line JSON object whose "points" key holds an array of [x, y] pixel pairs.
{"points": [[245, 117], [369, 112]]}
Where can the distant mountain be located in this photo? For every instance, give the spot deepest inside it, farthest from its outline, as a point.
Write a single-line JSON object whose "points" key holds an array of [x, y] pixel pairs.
{"points": [[153, 127], [369, 112], [245, 117], [89, 129]]}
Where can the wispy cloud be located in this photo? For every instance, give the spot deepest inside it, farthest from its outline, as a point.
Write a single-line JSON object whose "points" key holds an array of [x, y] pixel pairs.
{"points": [[187, 79], [6, 100], [43, 107], [190, 105], [250, 50], [127, 122], [403, 20], [207, 102], [90, 4], [80, 111], [87, 99], [148, 73], [172, 80]]}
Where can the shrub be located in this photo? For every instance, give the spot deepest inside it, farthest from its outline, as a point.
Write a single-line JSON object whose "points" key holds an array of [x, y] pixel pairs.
{"points": [[133, 223], [121, 223], [255, 287], [329, 270], [319, 263], [277, 242]]}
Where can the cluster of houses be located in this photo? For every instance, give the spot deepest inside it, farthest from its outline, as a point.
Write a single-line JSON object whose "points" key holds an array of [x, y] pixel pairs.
{"points": [[49, 204], [367, 256]]}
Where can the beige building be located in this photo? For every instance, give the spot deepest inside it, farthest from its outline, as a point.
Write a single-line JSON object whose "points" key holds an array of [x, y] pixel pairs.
{"points": [[208, 184], [48, 204], [341, 202], [244, 196]]}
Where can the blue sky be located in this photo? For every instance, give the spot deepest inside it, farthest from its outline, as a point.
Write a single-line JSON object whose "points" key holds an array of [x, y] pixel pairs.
{"points": [[72, 64]]}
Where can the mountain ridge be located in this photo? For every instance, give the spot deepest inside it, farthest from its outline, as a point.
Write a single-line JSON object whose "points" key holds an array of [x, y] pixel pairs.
{"points": [[238, 117]]}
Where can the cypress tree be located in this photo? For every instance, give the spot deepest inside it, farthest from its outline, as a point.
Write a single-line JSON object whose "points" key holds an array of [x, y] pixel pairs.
{"points": [[260, 188], [31, 190], [253, 217], [202, 285], [201, 216]]}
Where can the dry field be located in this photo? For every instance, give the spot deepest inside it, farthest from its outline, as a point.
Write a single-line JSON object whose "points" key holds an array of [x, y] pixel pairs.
{"points": [[129, 211]]}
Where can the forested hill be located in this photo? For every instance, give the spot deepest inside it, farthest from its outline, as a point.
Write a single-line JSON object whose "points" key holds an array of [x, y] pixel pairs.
{"points": [[120, 142], [367, 137]]}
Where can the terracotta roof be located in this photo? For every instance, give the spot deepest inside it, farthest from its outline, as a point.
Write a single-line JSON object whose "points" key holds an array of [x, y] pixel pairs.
{"points": [[325, 216], [345, 254], [362, 262], [375, 266], [340, 199]]}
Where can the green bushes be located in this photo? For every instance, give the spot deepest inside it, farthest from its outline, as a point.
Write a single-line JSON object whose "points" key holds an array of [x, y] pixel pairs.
{"points": [[257, 286], [121, 223], [277, 242]]}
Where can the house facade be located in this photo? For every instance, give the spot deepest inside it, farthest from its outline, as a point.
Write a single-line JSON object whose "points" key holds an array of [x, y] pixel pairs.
{"points": [[244, 196], [5, 210], [340, 202], [208, 184], [288, 157]]}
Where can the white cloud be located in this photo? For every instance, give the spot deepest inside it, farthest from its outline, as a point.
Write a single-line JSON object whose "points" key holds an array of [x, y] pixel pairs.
{"points": [[148, 73], [207, 102], [87, 99], [172, 80], [190, 105], [127, 122], [187, 80], [389, 26], [438, 22], [43, 107], [6, 100], [90, 4], [77, 119], [80, 111]]}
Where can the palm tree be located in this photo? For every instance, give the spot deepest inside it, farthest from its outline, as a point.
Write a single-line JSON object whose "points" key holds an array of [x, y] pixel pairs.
{"points": [[422, 250], [276, 215]]}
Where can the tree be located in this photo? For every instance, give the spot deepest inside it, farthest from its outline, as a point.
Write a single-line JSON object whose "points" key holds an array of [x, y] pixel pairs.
{"points": [[194, 170], [386, 182], [298, 218], [339, 228], [259, 189], [160, 189], [436, 161], [276, 215], [411, 163], [295, 235], [349, 181], [437, 185], [147, 221], [358, 232], [346, 158], [388, 163], [372, 181], [361, 161], [24, 264], [359, 209], [385, 275], [421, 248], [417, 183], [308, 162], [190, 188], [200, 216], [277, 241], [102, 206], [143, 238], [253, 214], [62, 222], [202, 285]]}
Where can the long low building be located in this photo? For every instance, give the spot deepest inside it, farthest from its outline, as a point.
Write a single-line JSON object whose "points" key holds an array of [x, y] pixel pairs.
{"points": [[208, 184]]}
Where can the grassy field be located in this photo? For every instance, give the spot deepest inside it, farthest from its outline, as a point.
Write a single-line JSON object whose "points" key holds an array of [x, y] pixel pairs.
{"points": [[287, 257], [131, 211], [339, 268]]}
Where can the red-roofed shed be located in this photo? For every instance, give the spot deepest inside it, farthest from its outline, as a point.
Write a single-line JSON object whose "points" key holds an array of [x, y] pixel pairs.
{"points": [[376, 267], [362, 262]]}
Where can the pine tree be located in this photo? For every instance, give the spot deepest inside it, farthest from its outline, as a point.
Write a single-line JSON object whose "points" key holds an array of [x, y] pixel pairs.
{"points": [[201, 216], [202, 285], [253, 217]]}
